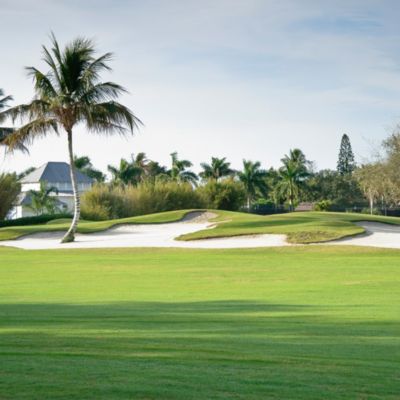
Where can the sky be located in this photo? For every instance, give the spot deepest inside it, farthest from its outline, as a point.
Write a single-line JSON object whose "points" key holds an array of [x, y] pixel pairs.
{"points": [[242, 79]]}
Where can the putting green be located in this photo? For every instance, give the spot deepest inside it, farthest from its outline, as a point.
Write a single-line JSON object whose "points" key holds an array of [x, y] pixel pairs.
{"points": [[281, 323]]}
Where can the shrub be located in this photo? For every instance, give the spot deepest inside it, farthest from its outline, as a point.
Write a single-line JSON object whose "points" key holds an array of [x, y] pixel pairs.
{"points": [[9, 191], [34, 220], [106, 201], [225, 195], [323, 205], [147, 198], [102, 202]]}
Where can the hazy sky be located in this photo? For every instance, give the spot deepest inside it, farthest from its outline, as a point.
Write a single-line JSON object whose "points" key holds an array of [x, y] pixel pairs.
{"points": [[241, 79]]}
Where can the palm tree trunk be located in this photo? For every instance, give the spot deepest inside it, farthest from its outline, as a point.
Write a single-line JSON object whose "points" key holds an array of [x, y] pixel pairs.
{"points": [[371, 204], [70, 235]]}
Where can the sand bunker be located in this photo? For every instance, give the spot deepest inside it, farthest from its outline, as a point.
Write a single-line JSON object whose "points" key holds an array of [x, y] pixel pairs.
{"points": [[163, 235], [376, 235]]}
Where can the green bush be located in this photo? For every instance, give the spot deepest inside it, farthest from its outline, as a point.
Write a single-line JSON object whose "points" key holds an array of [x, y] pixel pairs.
{"points": [[225, 195], [34, 220], [102, 202], [107, 202], [9, 191], [323, 205]]}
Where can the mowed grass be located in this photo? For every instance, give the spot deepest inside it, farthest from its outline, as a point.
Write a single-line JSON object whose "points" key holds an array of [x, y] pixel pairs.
{"points": [[300, 227], [282, 323]]}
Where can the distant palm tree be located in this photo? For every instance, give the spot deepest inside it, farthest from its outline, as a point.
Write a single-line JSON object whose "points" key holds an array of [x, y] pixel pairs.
{"points": [[42, 200], [141, 164], [125, 173], [154, 171], [218, 168], [5, 132], [253, 179], [84, 165], [179, 172], [292, 174], [68, 94]]}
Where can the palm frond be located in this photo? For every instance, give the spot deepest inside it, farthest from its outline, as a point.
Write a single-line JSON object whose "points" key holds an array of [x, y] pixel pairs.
{"points": [[108, 117], [29, 132], [43, 83]]}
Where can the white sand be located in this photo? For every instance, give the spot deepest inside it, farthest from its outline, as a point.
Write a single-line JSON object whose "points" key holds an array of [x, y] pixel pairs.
{"points": [[376, 235], [163, 235]]}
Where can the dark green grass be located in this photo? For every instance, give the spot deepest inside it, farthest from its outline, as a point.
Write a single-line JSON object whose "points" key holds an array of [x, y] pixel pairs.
{"points": [[284, 323], [302, 227]]}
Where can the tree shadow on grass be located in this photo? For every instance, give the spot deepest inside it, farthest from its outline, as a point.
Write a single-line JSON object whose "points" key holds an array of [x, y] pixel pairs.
{"points": [[194, 350]]}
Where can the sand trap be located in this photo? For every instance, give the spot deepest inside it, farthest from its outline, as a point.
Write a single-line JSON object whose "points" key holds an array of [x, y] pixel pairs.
{"points": [[148, 235], [376, 235], [163, 235]]}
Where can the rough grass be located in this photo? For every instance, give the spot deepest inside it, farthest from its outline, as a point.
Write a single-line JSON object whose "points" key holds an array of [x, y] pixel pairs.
{"points": [[284, 323], [301, 227]]}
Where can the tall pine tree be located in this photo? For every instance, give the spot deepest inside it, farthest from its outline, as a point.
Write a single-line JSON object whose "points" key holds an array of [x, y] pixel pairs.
{"points": [[346, 164]]}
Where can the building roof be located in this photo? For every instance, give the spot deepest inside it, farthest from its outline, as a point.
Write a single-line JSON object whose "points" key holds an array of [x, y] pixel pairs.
{"points": [[55, 172]]}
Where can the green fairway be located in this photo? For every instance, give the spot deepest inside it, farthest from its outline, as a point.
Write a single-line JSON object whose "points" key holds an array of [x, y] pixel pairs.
{"points": [[284, 323], [300, 227]]}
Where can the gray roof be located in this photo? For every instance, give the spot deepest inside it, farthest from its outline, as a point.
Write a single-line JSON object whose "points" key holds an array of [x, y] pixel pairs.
{"points": [[55, 172]]}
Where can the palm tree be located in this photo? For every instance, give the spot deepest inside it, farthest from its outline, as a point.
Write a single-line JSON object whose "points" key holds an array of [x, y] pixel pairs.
{"points": [[5, 132], [68, 94], [154, 170], [126, 172], [141, 164], [179, 172], [41, 200], [218, 168], [292, 174], [253, 179], [84, 165]]}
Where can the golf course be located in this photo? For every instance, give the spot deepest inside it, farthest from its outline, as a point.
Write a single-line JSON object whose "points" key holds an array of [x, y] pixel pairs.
{"points": [[199, 226], [286, 322]]}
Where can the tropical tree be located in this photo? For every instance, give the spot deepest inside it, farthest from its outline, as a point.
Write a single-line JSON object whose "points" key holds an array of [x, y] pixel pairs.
{"points": [[154, 170], [179, 171], [84, 165], [68, 94], [42, 200], [9, 191], [218, 168], [125, 173], [253, 179], [292, 174], [141, 164], [5, 132]]}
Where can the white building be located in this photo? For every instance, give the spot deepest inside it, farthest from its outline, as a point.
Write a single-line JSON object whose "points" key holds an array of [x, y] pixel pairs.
{"points": [[54, 174]]}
